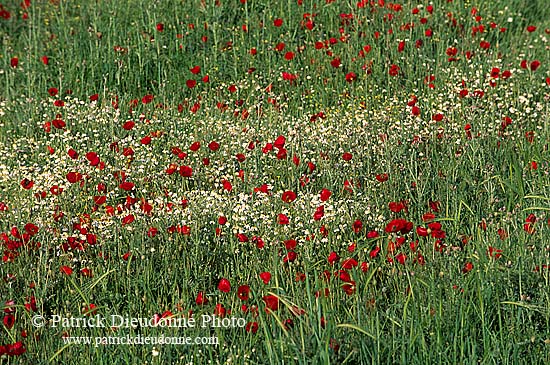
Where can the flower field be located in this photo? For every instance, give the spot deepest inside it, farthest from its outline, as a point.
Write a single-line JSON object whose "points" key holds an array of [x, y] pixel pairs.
{"points": [[323, 182]]}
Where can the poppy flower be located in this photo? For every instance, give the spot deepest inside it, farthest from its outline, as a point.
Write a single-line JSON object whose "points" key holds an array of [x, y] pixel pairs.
{"points": [[243, 292], [195, 70], [394, 70], [93, 158], [357, 226], [128, 219], [319, 213], [351, 77], [191, 83], [195, 146], [349, 287], [374, 252], [58, 123], [128, 125], [27, 184], [282, 219], [467, 267], [201, 298], [325, 195], [252, 327], [347, 156], [186, 171], [271, 302], [14, 62], [397, 207], [227, 185], [145, 140], [147, 99], [350, 263], [531, 28], [278, 22], [213, 146], [224, 285], [289, 56], [401, 258], [290, 257], [127, 186], [9, 321], [266, 277], [535, 65], [279, 142]]}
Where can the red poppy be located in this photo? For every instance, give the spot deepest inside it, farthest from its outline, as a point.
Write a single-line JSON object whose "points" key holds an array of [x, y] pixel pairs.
{"points": [[336, 63], [325, 195], [535, 65], [58, 123], [319, 212], [397, 207], [289, 56], [252, 327], [93, 158], [126, 186], [349, 287], [128, 219], [227, 185], [271, 302], [195, 146], [374, 252], [494, 253], [382, 177], [186, 171], [191, 83], [224, 285], [201, 299], [282, 219], [9, 321], [243, 292], [347, 156], [213, 146], [484, 45], [350, 263], [66, 270], [279, 142], [147, 99], [531, 28], [399, 225], [394, 70], [128, 125], [288, 196], [278, 22], [45, 60], [357, 226], [467, 267], [74, 177], [14, 62], [27, 184], [266, 277], [351, 76], [401, 258]]}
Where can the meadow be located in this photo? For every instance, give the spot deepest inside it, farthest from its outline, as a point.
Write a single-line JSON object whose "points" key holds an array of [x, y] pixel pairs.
{"points": [[290, 182]]}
